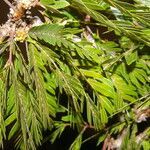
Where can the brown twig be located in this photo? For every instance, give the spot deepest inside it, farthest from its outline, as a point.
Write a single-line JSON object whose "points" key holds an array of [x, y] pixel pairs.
{"points": [[9, 4], [11, 38], [10, 52], [105, 144]]}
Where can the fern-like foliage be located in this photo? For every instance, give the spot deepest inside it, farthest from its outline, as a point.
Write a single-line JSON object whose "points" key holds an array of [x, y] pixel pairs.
{"points": [[85, 67]]}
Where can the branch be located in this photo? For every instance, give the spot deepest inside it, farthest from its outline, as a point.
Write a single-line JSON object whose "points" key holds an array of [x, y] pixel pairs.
{"points": [[9, 4]]}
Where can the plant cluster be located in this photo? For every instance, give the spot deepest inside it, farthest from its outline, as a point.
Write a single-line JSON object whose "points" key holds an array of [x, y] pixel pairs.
{"points": [[78, 64]]}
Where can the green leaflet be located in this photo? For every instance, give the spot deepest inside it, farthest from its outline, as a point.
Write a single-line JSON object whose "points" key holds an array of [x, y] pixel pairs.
{"points": [[101, 139], [145, 145], [55, 4], [90, 73], [47, 2], [88, 52], [104, 118], [41, 93], [10, 119], [72, 83], [102, 88], [77, 143], [131, 57], [60, 4], [49, 31], [72, 87], [129, 93], [92, 4], [107, 104], [14, 130], [57, 133]]}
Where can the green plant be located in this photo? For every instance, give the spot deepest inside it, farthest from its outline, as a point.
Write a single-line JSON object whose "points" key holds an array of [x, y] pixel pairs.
{"points": [[67, 63]]}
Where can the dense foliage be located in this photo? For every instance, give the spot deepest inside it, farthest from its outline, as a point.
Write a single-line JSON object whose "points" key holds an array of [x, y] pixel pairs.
{"points": [[85, 67]]}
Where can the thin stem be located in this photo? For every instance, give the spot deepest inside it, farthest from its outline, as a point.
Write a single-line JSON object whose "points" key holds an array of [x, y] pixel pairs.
{"points": [[10, 54], [90, 138], [121, 109], [11, 46]]}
